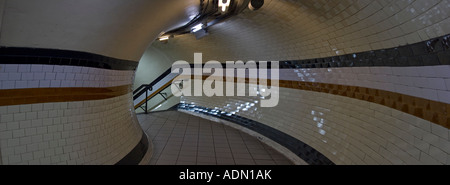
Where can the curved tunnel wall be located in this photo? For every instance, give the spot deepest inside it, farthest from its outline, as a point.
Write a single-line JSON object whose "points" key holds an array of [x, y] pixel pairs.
{"points": [[66, 74], [44, 129], [379, 109], [152, 64], [64, 110]]}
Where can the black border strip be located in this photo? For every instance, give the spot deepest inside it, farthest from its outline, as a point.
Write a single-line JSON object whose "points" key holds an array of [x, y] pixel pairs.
{"points": [[138, 152], [427, 53], [301, 149], [431, 52], [17, 55]]}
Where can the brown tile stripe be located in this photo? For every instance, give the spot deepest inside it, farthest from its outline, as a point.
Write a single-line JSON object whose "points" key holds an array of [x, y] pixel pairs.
{"points": [[433, 111], [48, 95]]}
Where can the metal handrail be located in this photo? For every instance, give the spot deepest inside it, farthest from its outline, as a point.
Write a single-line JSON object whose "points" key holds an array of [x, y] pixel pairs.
{"points": [[139, 91], [149, 87], [148, 97]]}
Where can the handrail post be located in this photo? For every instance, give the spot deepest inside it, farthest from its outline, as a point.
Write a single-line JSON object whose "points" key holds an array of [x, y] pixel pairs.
{"points": [[146, 101]]}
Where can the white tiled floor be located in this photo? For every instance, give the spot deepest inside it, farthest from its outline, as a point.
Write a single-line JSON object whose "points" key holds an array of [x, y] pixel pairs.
{"points": [[182, 139]]}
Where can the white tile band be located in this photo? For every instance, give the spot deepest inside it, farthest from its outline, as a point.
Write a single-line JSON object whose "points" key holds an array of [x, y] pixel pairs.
{"points": [[22, 76]]}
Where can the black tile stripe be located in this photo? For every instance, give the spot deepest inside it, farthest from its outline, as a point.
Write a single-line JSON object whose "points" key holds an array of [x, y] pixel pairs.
{"points": [[138, 152], [304, 151], [427, 53], [16, 55]]}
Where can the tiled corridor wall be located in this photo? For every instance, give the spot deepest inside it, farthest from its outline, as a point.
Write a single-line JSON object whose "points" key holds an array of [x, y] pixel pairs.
{"points": [[372, 113], [84, 132], [346, 130], [62, 109], [66, 75], [347, 88]]}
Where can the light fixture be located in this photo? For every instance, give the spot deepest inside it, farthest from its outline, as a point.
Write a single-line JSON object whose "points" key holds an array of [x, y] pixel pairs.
{"points": [[192, 17], [199, 31], [197, 28], [163, 38], [224, 4]]}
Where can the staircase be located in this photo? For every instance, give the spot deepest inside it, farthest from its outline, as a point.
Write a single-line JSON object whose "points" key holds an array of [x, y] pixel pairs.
{"points": [[157, 95]]}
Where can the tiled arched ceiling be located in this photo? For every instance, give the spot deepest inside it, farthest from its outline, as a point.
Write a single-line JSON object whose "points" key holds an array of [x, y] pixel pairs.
{"points": [[304, 29]]}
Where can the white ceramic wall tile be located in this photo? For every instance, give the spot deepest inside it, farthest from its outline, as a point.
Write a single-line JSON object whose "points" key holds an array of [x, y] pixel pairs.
{"points": [[447, 83], [44, 83], [444, 96], [8, 84], [87, 132], [61, 76], [13, 68], [47, 68], [347, 131]]}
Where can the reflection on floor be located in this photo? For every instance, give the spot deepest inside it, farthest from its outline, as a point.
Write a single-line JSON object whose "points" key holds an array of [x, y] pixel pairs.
{"points": [[182, 139]]}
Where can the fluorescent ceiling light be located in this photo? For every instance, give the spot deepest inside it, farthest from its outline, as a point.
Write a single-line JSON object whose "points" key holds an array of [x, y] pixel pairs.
{"points": [[163, 38], [224, 5], [197, 28]]}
